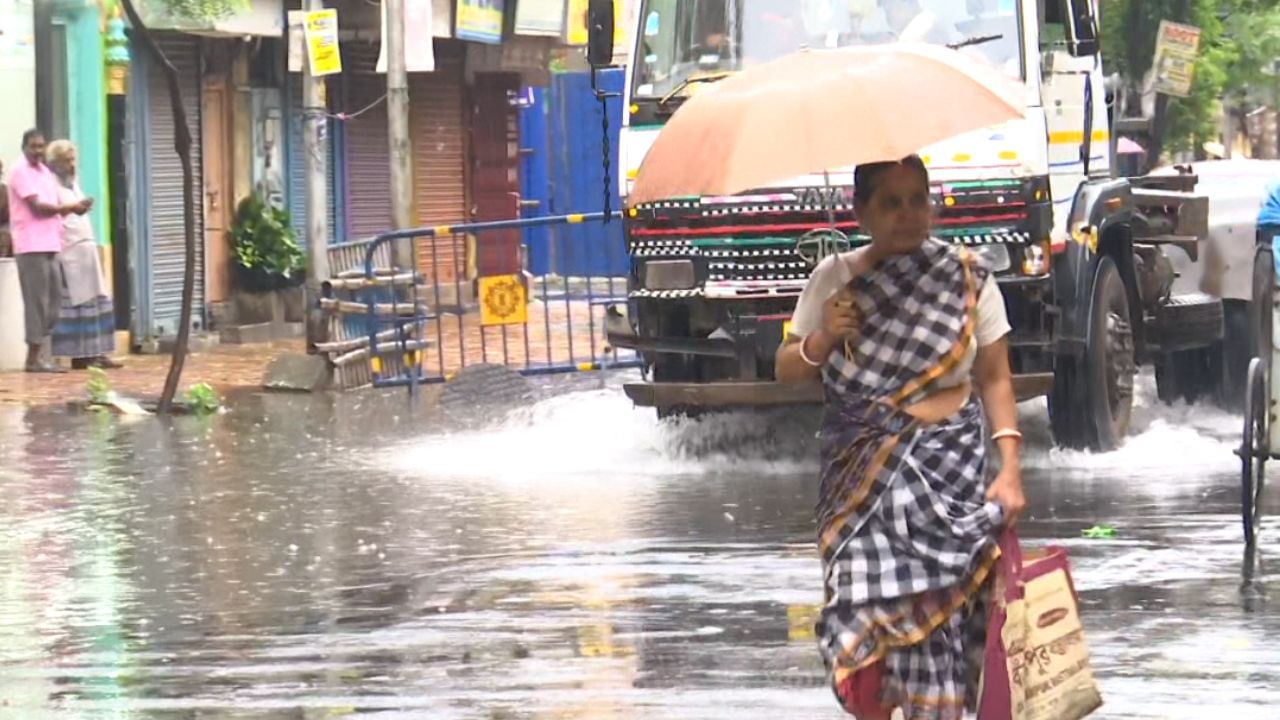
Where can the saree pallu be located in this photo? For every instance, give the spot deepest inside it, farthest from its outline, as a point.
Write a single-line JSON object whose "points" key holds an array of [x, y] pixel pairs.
{"points": [[906, 535]]}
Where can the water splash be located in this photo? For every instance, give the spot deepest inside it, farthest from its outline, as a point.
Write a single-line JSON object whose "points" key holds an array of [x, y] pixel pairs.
{"points": [[600, 434]]}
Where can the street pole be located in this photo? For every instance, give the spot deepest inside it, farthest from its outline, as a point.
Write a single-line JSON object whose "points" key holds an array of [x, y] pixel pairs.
{"points": [[313, 132], [398, 132]]}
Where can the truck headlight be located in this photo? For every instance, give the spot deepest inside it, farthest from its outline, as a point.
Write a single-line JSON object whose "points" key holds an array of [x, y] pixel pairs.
{"points": [[668, 275], [995, 256], [1035, 259]]}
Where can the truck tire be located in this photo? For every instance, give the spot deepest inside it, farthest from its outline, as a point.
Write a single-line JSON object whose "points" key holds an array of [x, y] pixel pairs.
{"points": [[1191, 376], [1189, 322], [1237, 351], [1092, 399]]}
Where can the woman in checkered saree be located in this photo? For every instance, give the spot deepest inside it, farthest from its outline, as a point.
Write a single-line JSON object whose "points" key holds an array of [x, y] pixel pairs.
{"points": [[907, 335]]}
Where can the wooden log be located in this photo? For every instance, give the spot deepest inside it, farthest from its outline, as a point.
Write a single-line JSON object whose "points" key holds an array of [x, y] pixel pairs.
{"points": [[341, 346], [359, 272], [362, 282], [383, 349], [355, 308]]}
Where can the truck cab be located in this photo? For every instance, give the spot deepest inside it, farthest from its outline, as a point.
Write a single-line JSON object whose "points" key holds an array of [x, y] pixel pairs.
{"points": [[1077, 253]]}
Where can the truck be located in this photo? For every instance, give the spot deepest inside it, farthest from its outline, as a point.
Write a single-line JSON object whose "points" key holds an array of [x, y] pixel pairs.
{"points": [[1085, 259]]}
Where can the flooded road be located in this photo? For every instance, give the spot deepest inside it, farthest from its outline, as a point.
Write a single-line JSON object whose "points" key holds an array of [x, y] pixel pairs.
{"points": [[325, 557]]}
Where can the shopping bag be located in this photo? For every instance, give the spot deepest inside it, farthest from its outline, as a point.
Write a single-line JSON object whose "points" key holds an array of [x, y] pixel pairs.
{"points": [[1036, 663]]}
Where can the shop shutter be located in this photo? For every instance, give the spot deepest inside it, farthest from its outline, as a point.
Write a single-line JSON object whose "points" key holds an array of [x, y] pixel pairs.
{"points": [[438, 116], [164, 218]]}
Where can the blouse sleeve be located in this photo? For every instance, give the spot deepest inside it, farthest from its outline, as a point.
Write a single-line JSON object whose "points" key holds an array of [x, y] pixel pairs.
{"points": [[807, 317]]}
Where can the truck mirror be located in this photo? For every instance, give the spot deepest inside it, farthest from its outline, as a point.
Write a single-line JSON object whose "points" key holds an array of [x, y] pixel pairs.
{"points": [[1084, 30], [600, 28], [1084, 48]]}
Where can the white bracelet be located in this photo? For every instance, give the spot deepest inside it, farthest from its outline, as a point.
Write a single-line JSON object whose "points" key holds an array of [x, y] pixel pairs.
{"points": [[805, 356], [1010, 433]]}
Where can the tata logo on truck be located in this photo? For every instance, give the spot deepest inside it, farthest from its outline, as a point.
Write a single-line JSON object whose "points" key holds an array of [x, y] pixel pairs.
{"points": [[824, 196]]}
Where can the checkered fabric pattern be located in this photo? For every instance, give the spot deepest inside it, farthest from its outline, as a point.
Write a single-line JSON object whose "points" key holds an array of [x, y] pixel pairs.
{"points": [[906, 534], [913, 308]]}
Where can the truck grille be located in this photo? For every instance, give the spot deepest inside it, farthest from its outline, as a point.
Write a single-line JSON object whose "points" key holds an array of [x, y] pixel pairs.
{"points": [[746, 246]]}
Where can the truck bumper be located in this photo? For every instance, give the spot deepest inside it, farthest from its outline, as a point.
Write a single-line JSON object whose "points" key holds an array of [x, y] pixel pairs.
{"points": [[750, 342], [729, 395]]}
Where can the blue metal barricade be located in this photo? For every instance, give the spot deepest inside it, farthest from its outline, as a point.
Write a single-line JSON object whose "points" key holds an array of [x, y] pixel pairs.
{"points": [[469, 299]]}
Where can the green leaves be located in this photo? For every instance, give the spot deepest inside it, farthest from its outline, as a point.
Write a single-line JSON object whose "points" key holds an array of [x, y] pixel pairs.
{"points": [[98, 387], [203, 399], [1240, 39], [263, 238], [198, 9]]}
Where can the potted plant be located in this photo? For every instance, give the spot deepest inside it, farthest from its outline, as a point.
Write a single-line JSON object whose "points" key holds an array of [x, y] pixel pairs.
{"points": [[265, 247]]}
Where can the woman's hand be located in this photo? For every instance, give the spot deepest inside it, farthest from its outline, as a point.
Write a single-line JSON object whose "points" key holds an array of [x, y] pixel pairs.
{"points": [[1006, 491], [839, 316]]}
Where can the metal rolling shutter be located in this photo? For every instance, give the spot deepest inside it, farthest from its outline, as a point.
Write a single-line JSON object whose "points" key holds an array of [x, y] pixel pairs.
{"points": [[437, 101], [297, 161], [368, 166], [164, 182]]}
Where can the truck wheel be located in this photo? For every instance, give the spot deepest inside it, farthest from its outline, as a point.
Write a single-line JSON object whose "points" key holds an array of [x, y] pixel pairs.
{"points": [[1066, 418], [1189, 322], [1190, 376], [1237, 351], [1092, 400]]}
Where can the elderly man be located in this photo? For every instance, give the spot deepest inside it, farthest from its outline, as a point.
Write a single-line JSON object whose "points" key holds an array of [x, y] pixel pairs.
{"points": [[36, 222]]}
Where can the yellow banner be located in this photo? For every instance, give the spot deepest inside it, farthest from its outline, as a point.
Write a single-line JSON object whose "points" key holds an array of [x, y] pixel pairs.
{"points": [[480, 20], [577, 26], [504, 300], [322, 42]]}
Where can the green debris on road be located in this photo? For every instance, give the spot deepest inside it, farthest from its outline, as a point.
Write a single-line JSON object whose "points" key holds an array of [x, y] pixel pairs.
{"points": [[1100, 532]]}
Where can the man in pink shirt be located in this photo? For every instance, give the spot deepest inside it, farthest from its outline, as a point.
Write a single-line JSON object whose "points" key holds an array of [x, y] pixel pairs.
{"points": [[36, 224]]}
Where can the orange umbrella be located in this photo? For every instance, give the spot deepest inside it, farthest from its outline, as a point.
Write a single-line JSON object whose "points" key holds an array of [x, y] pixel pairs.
{"points": [[818, 110]]}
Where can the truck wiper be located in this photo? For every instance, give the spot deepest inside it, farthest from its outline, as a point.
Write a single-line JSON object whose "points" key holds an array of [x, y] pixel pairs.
{"points": [[977, 40], [662, 104]]}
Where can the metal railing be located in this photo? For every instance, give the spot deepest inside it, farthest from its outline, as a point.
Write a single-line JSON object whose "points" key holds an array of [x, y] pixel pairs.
{"points": [[469, 300]]}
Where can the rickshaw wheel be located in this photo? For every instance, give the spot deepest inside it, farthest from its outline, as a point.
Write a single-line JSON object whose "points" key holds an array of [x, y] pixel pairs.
{"points": [[1255, 450]]}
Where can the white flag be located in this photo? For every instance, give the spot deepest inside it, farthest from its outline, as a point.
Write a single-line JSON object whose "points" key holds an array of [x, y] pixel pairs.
{"points": [[419, 42]]}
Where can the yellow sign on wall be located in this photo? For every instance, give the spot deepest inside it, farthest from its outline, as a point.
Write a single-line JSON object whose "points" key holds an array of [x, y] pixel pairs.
{"points": [[322, 42], [504, 300], [576, 30]]}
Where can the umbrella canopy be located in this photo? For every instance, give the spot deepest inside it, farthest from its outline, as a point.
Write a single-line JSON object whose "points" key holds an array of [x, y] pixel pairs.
{"points": [[818, 110]]}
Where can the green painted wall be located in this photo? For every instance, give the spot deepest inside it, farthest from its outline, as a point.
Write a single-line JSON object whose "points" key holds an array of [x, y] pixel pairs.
{"points": [[87, 100]]}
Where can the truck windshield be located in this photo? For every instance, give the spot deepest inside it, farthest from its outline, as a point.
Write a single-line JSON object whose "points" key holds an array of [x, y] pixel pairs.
{"points": [[681, 41]]}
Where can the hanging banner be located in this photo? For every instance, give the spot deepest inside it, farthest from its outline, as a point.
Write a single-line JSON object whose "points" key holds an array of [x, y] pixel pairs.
{"points": [[542, 18], [419, 45], [576, 22], [1177, 47], [480, 21], [322, 42]]}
